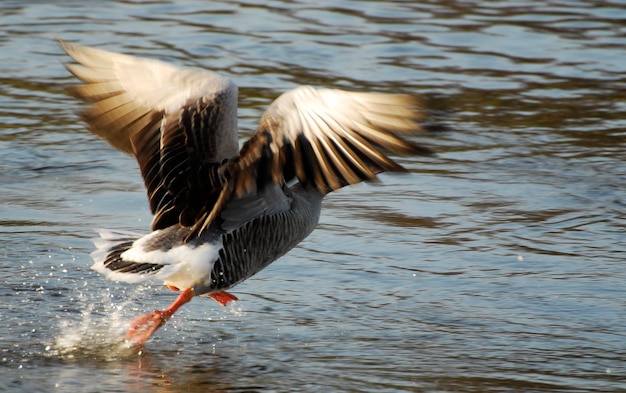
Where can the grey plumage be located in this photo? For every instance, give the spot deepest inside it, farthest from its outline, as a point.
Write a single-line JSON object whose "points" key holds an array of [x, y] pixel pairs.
{"points": [[221, 214]]}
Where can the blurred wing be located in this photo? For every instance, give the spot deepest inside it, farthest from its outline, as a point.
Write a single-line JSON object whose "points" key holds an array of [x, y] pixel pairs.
{"points": [[178, 123], [328, 139]]}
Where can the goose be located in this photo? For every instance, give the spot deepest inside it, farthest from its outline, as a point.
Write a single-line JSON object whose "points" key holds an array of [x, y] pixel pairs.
{"points": [[223, 213]]}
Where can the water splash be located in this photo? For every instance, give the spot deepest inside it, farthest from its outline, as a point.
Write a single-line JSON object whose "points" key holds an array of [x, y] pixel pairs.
{"points": [[236, 310], [100, 331]]}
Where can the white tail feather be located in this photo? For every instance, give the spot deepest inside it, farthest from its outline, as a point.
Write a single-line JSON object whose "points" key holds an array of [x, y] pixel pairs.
{"points": [[104, 244]]}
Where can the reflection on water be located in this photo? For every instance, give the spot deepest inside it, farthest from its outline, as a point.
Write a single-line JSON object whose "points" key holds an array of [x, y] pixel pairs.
{"points": [[495, 266]]}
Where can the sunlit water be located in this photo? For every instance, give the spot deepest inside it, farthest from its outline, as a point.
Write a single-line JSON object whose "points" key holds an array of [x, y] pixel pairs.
{"points": [[499, 265]]}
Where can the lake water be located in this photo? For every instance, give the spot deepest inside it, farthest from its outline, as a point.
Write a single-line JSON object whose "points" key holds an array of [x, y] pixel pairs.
{"points": [[499, 265]]}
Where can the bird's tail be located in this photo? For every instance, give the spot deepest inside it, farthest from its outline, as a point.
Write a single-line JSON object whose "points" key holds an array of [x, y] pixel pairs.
{"points": [[108, 259]]}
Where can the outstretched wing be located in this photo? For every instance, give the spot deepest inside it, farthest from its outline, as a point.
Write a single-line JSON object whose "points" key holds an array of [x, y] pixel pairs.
{"points": [[327, 139], [179, 123]]}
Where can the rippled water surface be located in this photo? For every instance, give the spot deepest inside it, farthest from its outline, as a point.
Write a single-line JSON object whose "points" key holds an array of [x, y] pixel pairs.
{"points": [[499, 265]]}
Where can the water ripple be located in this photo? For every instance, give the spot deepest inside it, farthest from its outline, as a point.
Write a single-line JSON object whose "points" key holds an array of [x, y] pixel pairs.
{"points": [[495, 266]]}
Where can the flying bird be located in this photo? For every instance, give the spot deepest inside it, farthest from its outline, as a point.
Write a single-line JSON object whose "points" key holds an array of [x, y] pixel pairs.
{"points": [[223, 213]]}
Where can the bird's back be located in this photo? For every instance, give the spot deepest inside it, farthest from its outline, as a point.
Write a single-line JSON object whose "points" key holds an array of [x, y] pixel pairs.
{"points": [[257, 243]]}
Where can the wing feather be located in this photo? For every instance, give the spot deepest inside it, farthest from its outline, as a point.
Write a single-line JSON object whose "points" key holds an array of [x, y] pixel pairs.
{"points": [[179, 124], [330, 138]]}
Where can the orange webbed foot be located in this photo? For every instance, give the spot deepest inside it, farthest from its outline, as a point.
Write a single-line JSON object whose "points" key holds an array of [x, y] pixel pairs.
{"points": [[142, 328], [223, 297]]}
